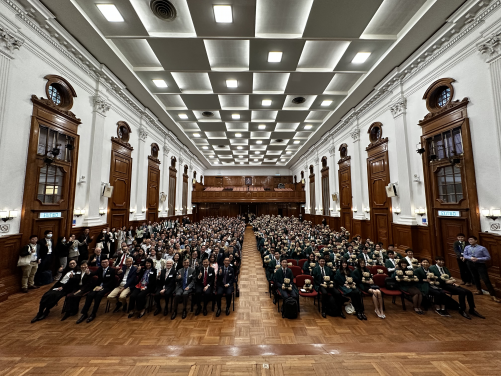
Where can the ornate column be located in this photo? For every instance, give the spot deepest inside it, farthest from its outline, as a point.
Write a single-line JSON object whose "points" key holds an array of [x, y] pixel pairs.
{"points": [[93, 199], [307, 188], [357, 176], [333, 185], [165, 176], [9, 44], [141, 168], [189, 207], [318, 186], [405, 198], [179, 190], [490, 49]]}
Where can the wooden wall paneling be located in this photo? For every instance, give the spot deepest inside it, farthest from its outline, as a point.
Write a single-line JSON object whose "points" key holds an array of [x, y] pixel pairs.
{"points": [[184, 196], [493, 244], [441, 119], [326, 199], [153, 189], [10, 276], [345, 193], [356, 228], [378, 177], [120, 179], [171, 198]]}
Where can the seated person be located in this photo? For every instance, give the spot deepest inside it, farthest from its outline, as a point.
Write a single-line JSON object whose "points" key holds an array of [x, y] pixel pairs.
{"points": [[367, 285], [408, 285], [281, 274], [342, 278], [225, 281], [83, 284], [204, 286], [95, 259], [306, 265], [127, 275], [270, 270], [391, 262], [165, 287], [147, 281], [428, 288], [319, 272], [440, 269], [58, 290], [185, 279], [104, 284]]}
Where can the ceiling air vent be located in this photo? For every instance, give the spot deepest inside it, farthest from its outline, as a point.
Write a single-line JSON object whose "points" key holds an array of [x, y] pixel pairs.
{"points": [[279, 140], [163, 9], [220, 146], [298, 100], [207, 114]]}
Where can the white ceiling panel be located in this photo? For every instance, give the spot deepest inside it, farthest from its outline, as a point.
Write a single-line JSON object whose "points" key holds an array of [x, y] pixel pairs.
{"points": [[191, 82], [228, 55], [281, 18], [234, 102], [318, 56], [270, 83], [342, 82], [264, 116], [172, 102], [181, 26], [137, 52]]}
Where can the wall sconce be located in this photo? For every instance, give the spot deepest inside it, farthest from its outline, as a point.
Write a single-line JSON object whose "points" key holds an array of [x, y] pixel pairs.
{"points": [[491, 214], [397, 211], [338, 209], [367, 209], [419, 148], [354, 209], [102, 211], [144, 210], [159, 210], [420, 211], [8, 214], [331, 209], [131, 210], [78, 212]]}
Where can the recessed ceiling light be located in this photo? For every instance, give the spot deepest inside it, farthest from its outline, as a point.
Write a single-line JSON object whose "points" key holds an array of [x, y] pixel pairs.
{"points": [[261, 126], [160, 83], [241, 162], [235, 116], [222, 13], [255, 160], [231, 83], [259, 142], [239, 147], [110, 12], [240, 156], [308, 126], [238, 134], [297, 142], [282, 159], [274, 57], [289, 152], [216, 162], [205, 147], [196, 134], [361, 57], [183, 116], [266, 102], [211, 156], [326, 103], [256, 152]]}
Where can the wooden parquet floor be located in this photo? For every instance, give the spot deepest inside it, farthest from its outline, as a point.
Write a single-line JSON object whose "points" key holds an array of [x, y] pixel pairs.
{"points": [[252, 337]]}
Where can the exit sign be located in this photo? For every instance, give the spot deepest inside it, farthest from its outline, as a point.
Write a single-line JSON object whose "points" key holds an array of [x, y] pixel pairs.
{"points": [[449, 213], [50, 215]]}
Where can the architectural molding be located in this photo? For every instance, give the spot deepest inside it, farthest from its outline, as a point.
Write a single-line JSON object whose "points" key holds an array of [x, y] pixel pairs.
{"points": [[490, 48], [101, 105], [9, 41], [142, 133], [166, 150], [355, 135], [398, 108]]}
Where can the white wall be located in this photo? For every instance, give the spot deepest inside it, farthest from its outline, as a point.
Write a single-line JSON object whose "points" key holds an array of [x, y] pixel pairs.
{"points": [[246, 170], [27, 54], [453, 52]]}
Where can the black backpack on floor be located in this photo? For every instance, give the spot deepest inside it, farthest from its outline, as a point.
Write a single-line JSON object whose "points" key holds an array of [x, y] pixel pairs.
{"points": [[289, 308]]}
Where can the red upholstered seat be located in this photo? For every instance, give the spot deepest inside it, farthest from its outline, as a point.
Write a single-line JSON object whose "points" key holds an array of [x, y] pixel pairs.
{"points": [[292, 261], [374, 269], [379, 279], [301, 262], [296, 270]]}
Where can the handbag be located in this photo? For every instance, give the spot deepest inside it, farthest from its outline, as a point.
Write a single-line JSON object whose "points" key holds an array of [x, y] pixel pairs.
{"points": [[390, 283], [350, 310], [24, 260]]}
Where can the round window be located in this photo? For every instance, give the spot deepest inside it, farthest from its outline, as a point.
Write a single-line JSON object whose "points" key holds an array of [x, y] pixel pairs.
{"points": [[55, 95], [443, 96]]}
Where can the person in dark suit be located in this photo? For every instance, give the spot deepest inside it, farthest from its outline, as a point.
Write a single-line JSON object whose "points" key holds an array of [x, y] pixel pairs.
{"points": [[165, 286], [185, 279], [82, 285], [464, 295], [318, 273], [84, 240], [96, 258], [204, 286], [127, 274], [46, 256], [225, 281], [278, 278], [147, 285], [459, 246], [105, 283], [60, 289]]}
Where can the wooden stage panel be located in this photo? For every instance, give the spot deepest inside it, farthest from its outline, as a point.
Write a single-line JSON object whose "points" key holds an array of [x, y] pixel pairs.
{"points": [[254, 334]]}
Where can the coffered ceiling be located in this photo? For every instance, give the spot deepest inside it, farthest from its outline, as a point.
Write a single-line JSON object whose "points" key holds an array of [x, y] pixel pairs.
{"points": [[212, 83]]}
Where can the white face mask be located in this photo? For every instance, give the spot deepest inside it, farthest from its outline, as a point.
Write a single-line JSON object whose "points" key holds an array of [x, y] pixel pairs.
{"points": [[49, 236], [104, 232]]}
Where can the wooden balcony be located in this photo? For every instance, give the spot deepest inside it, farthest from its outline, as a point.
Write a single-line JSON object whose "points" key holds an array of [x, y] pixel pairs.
{"points": [[230, 196]]}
